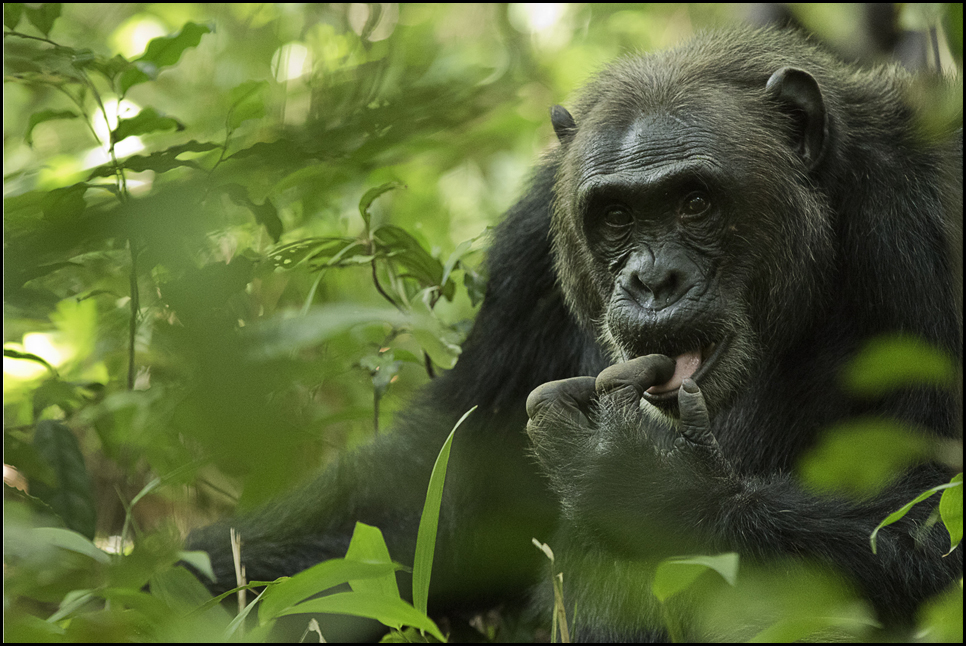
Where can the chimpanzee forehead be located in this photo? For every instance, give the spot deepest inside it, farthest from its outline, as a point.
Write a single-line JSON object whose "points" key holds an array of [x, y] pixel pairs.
{"points": [[648, 144]]}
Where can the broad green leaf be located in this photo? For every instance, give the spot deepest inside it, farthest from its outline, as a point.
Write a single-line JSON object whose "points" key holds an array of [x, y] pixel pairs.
{"points": [[160, 53], [861, 455], [390, 611], [278, 337], [436, 340], [247, 102], [71, 496], [64, 204], [11, 14], [368, 546], [43, 15], [281, 598], [199, 561], [676, 574], [45, 115], [69, 540], [889, 362], [181, 590], [146, 121], [429, 523]]}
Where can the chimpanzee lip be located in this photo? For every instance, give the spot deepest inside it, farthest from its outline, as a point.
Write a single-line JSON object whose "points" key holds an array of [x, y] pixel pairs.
{"points": [[710, 354]]}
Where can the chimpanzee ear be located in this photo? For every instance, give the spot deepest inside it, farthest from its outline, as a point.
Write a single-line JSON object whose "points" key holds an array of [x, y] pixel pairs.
{"points": [[797, 92], [563, 124]]}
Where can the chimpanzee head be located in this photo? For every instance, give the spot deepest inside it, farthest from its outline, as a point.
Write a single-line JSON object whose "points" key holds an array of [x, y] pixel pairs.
{"points": [[689, 218]]}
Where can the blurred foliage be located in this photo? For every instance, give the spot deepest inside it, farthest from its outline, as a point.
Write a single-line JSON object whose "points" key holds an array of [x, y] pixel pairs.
{"points": [[238, 236]]}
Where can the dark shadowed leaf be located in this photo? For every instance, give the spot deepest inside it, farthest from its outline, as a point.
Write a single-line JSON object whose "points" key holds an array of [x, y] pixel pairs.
{"points": [[265, 213], [71, 496], [146, 121]]}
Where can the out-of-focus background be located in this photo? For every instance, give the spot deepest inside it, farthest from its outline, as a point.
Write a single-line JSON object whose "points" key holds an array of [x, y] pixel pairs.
{"points": [[238, 236]]}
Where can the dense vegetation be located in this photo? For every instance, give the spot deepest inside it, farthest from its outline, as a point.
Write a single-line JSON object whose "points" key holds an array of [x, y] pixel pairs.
{"points": [[236, 238]]}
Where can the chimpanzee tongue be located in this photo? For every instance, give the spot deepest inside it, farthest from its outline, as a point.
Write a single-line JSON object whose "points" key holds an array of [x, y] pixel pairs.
{"points": [[685, 365]]}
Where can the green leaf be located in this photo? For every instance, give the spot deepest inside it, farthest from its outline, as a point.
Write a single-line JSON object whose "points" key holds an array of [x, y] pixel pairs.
{"points": [[11, 14], [63, 204], [146, 121], [277, 337], [368, 546], [436, 340], [108, 68], [390, 611], [181, 590], [407, 251], [281, 598], [265, 213], [902, 511], [323, 252], [370, 196], [160, 53], [42, 16], [72, 496], [890, 362], [429, 523], [861, 455], [199, 561], [382, 366], [951, 511], [676, 574], [159, 162], [27, 356], [45, 115], [247, 102], [68, 540]]}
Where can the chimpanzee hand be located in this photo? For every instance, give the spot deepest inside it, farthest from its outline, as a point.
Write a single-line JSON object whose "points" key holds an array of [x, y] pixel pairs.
{"points": [[623, 470]]}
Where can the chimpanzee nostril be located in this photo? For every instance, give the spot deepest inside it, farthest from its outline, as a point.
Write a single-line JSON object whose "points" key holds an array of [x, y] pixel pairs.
{"points": [[655, 285]]}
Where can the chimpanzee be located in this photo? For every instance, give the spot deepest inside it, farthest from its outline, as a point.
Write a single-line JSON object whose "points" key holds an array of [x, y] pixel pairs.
{"points": [[720, 229]]}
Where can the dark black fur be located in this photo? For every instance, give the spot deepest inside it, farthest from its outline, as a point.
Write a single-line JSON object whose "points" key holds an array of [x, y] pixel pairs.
{"points": [[830, 227]]}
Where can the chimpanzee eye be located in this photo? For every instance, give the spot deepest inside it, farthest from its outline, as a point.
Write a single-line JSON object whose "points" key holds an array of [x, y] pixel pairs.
{"points": [[616, 222], [695, 203]]}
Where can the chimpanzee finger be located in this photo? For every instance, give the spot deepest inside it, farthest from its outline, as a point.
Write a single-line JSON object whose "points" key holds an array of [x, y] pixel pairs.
{"points": [[626, 382], [567, 398], [695, 421], [695, 440]]}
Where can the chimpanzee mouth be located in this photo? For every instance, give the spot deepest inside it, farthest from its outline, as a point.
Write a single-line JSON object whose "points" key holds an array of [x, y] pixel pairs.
{"points": [[694, 364]]}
